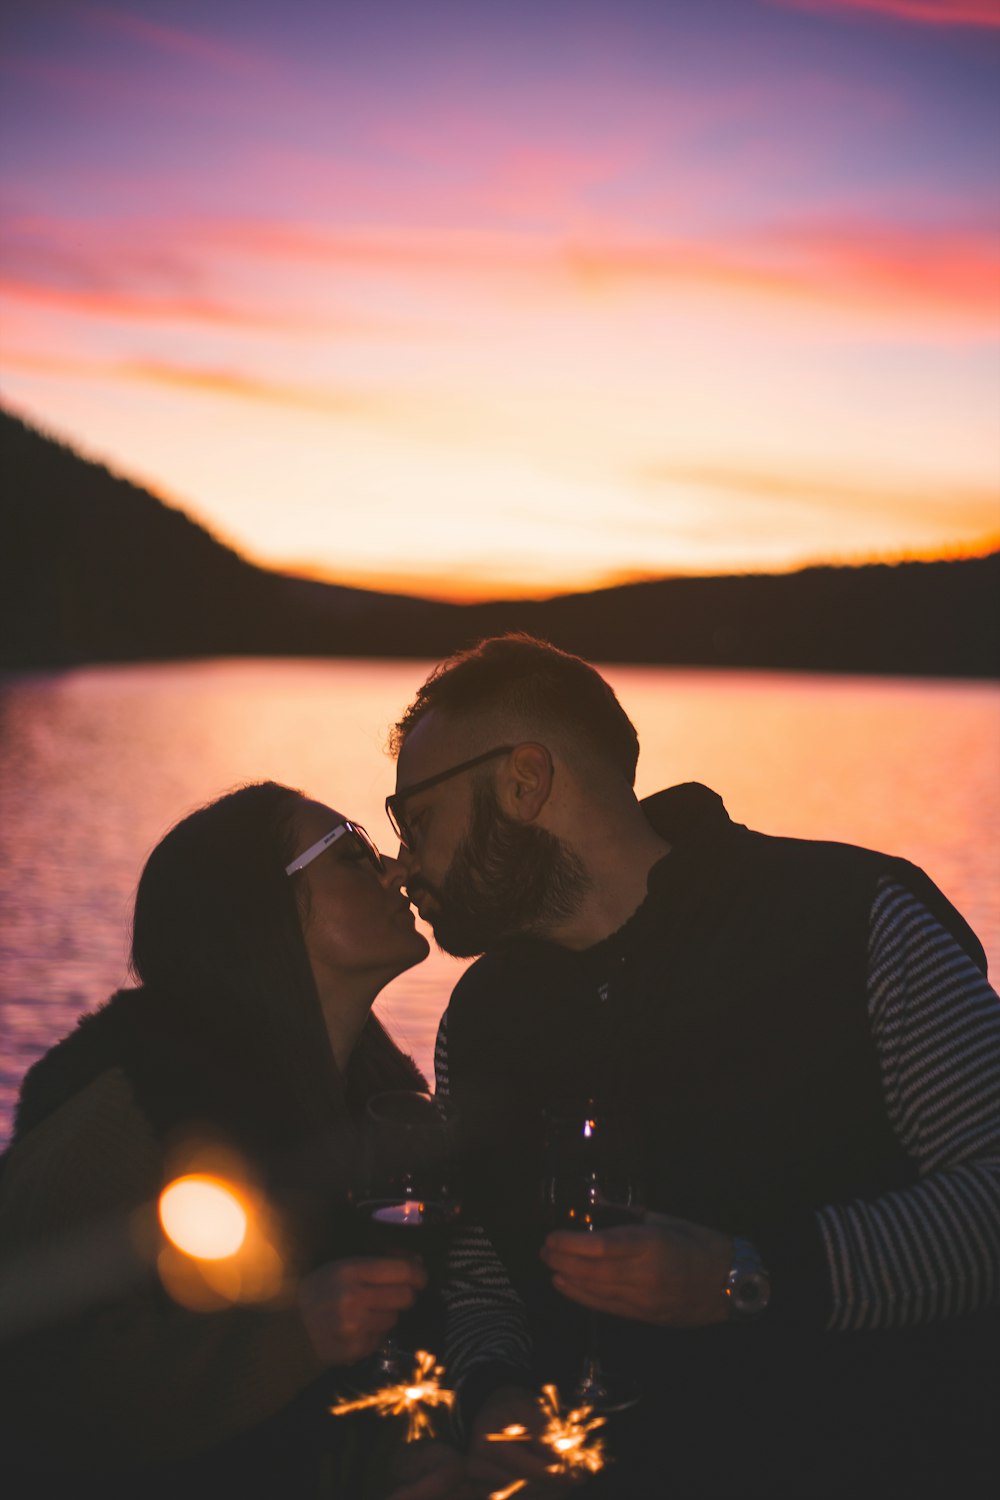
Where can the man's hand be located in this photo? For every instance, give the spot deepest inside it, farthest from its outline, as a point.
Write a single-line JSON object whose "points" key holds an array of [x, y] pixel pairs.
{"points": [[663, 1271], [495, 1466], [348, 1306]]}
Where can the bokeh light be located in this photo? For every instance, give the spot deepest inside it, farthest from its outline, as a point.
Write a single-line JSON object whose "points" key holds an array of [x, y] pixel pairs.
{"points": [[203, 1216]]}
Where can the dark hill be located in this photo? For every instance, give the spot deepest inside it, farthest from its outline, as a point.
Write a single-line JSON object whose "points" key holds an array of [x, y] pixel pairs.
{"points": [[93, 568], [916, 618]]}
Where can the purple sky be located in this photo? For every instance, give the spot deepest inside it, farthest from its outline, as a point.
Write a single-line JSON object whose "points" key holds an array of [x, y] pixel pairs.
{"points": [[528, 294]]}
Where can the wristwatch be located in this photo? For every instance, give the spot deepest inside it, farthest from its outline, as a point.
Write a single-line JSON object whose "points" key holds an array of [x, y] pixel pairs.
{"points": [[748, 1286]]}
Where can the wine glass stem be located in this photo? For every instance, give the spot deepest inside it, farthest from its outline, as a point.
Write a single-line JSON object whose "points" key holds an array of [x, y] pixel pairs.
{"points": [[387, 1358], [591, 1389]]}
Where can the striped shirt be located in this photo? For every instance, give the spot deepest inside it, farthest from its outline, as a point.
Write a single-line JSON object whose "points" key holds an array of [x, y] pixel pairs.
{"points": [[933, 1250], [929, 1251]]}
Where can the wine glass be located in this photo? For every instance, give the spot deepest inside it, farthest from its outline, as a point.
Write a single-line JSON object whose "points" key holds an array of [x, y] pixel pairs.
{"points": [[410, 1201], [591, 1181]]}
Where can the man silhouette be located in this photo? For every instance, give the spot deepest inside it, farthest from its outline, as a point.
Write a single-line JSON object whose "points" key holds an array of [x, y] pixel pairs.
{"points": [[803, 1033]]}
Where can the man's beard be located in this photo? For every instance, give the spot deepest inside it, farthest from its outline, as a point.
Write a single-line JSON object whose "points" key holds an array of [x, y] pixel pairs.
{"points": [[506, 880]]}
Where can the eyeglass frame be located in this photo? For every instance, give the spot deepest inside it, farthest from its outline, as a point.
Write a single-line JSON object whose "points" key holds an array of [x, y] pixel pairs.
{"points": [[398, 823], [360, 836]]}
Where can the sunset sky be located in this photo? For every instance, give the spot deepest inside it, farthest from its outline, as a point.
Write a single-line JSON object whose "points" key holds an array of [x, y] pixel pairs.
{"points": [[472, 297]]}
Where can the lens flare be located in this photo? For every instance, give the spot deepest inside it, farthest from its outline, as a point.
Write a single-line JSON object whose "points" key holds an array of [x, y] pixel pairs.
{"points": [[203, 1217]]}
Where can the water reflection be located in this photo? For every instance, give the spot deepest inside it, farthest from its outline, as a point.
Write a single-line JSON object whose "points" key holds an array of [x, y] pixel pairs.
{"points": [[96, 764]]}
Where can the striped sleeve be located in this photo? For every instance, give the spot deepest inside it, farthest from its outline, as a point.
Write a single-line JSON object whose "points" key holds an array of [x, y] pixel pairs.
{"points": [[932, 1250], [486, 1320]]}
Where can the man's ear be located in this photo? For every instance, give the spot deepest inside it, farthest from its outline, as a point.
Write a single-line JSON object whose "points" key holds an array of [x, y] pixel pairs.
{"points": [[524, 783]]}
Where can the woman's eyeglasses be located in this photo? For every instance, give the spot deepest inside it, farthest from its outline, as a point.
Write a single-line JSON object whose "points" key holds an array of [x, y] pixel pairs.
{"points": [[355, 832]]}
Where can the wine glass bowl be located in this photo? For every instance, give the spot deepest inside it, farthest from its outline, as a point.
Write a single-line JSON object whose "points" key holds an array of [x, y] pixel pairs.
{"points": [[409, 1201], [590, 1177]]}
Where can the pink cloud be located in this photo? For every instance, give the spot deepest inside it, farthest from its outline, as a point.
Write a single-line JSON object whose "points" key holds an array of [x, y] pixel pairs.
{"points": [[869, 264], [404, 248], [88, 84], [195, 46], [925, 12], [119, 305], [165, 272], [879, 270], [180, 269], [944, 269], [70, 253]]}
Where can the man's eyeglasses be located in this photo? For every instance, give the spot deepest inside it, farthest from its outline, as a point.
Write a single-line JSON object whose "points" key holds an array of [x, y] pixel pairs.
{"points": [[358, 836], [394, 803]]}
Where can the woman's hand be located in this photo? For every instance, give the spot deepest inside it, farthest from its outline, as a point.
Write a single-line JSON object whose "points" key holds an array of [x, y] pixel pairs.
{"points": [[348, 1306]]}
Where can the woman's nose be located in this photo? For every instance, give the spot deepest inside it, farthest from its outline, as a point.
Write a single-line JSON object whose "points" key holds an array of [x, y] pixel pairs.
{"points": [[395, 870]]}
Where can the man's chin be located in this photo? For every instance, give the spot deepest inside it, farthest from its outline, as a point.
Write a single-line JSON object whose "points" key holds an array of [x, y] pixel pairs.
{"points": [[453, 940]]}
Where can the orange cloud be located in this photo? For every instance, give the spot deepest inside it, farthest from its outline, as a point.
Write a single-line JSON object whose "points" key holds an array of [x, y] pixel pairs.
{"points": [[979, 505], [242, 387], [220, 382], [926, 12]]}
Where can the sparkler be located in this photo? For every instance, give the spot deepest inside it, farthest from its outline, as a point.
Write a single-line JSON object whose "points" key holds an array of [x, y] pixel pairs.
{"points": [[412, 1399], [567, 1437]]}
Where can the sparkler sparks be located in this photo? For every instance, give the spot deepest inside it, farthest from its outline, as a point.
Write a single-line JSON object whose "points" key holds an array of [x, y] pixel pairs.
{"points": [[567, 1437], [511, 1489], [413, 1399]]}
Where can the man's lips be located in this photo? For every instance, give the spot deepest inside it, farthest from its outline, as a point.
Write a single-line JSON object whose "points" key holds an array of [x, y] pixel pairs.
{"points": [[421, 898]]}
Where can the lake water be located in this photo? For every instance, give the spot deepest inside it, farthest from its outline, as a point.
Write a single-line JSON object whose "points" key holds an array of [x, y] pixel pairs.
{"points": [[96, 764]]}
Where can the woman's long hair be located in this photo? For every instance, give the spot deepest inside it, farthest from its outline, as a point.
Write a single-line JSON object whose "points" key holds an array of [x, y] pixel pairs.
{"points": [[217, 938]]}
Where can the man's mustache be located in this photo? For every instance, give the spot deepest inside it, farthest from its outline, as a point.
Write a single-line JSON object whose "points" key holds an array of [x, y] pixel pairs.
{"points": [[419, 888]]}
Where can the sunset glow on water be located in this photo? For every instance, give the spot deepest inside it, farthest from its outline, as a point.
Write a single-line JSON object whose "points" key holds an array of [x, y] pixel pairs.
{"points": [[96, 764]]}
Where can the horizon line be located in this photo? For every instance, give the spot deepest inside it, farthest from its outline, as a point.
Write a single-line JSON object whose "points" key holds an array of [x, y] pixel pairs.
{"points": [[440, 589], [403, 585]]}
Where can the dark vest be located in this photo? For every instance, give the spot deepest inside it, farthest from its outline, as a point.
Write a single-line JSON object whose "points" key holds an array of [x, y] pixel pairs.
{"points": [[730, 1017]]}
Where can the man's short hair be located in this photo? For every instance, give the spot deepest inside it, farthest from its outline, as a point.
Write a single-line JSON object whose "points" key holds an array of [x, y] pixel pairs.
{"points": [[522, 679]]}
